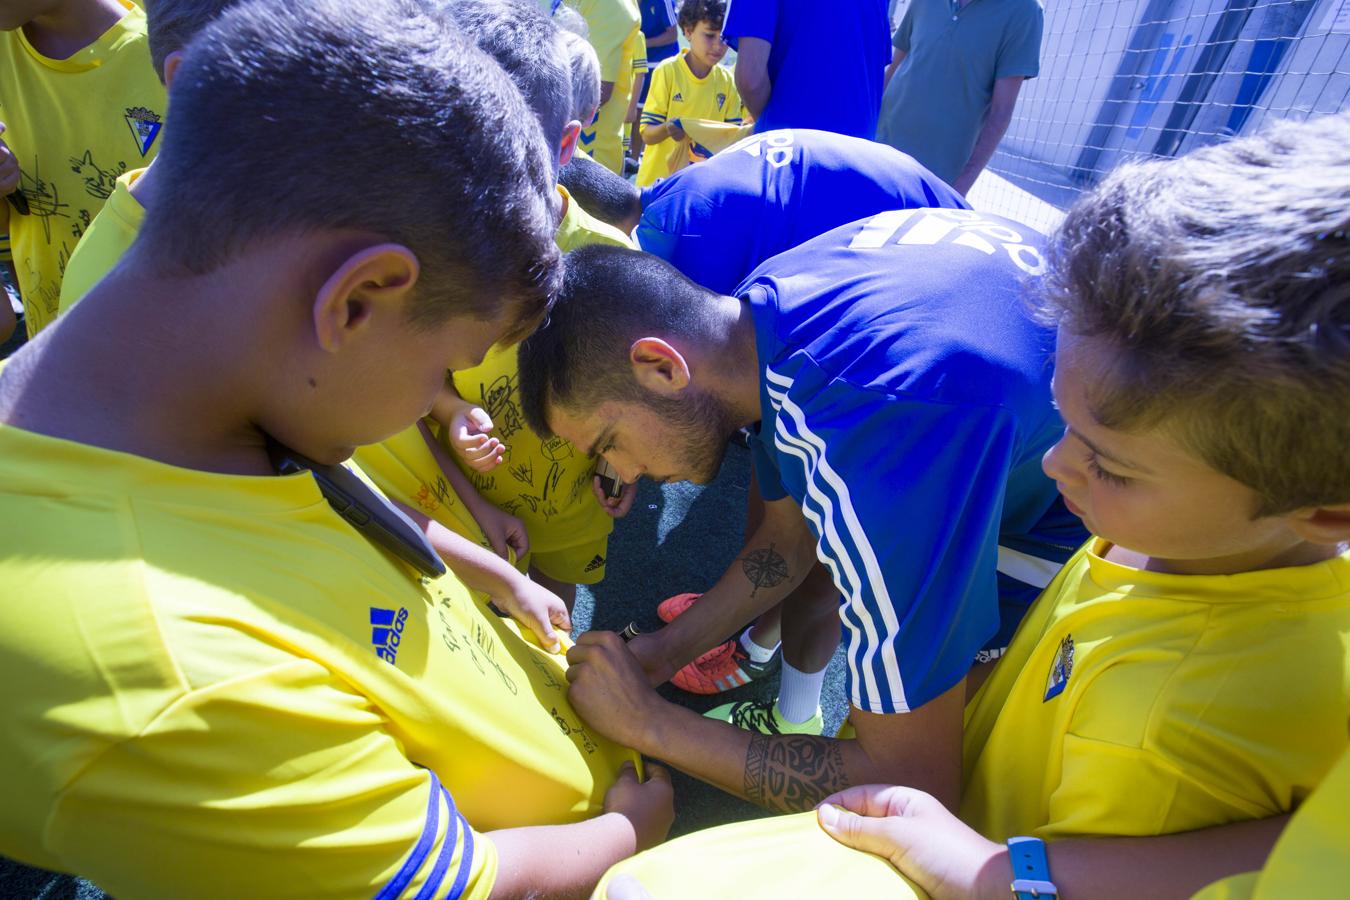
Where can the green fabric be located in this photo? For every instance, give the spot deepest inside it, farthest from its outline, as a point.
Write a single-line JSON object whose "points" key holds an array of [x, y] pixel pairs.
{"points": [[935, 105]]}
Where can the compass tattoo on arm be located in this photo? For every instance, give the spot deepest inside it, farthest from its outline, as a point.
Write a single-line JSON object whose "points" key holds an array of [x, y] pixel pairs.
{"points": [[764, 569]]}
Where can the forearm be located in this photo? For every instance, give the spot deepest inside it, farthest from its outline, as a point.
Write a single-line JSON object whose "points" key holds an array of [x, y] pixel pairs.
{"points": [[638, 80], [606, 91], [784, 773], [995, 126], [655, 134], [771, 565], [898, 58], [558, 861], [755, 94], [1164, 866]]}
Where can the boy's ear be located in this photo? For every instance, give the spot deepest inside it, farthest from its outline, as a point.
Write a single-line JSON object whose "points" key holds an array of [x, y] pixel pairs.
{"points": [[658, 367], [376, 279], [171, 64], [568, 145], [1322, 524]]}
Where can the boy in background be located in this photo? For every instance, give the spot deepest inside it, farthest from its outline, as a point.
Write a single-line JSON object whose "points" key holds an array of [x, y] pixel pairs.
{"points": [[662, 40], [257, 699], [1187, 668], [545, 482], [616, 34], [80, 105], [691, 86]]}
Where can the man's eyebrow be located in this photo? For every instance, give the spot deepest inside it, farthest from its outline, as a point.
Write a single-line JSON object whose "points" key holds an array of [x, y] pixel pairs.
{"points": [[600, 439], [1120, 461]]}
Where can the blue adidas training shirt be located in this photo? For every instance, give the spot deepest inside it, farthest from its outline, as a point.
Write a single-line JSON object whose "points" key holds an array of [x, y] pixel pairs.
{"points": [[826, 61], [905, 403], [717, 220]]}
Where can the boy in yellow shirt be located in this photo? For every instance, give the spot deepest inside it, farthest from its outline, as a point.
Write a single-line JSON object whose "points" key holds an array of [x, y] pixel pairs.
{"points": [[477, 540], [81, 105], [1181, 686], [615, 31], [690, 87], [230, 690], [549, 484]]}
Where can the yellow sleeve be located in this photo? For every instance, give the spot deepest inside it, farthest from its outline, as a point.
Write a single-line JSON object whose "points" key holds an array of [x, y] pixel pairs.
{"points": [[639, 53], [780, 856], [654, 111], [1112, 789], [282, 784], [611, 24]]}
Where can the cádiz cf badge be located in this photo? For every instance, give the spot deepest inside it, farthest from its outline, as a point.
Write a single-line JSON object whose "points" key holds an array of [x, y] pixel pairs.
{"points": [[145, 126], [1060, 669]]}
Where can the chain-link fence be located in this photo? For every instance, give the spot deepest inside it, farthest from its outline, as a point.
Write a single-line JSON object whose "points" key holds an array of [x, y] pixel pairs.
{"points": [[1125, 79]]}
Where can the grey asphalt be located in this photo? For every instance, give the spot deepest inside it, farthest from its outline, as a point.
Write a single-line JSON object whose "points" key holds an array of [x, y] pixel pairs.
{"points": [[678, 537]]}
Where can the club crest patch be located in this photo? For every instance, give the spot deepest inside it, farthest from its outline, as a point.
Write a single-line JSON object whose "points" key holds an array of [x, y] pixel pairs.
{"points": [[145, 126], [1060, 669], [721, 100]]}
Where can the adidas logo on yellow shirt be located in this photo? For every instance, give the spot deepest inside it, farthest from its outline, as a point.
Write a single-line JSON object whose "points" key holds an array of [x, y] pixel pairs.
{"points": [[386, 631]]}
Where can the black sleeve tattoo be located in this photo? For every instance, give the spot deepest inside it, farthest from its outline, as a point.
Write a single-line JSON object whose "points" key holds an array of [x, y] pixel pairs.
{"points": [[764, 568], [793, 772]]}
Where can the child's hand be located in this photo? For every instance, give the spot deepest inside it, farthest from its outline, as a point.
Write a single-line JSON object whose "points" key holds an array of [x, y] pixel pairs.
{"points": [[502, 530], [469, 436], [619, 506], [674, 129], [649, 805], [538, 609], [920, 837], [9, 168]]}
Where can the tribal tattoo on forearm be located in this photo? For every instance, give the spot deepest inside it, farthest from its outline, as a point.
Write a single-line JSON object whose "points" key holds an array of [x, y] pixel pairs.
{"points": [[793, 772], [764, 568]]}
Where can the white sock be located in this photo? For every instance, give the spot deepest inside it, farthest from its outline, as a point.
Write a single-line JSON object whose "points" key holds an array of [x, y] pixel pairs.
{"points": [[756, 653], [799, 693]]}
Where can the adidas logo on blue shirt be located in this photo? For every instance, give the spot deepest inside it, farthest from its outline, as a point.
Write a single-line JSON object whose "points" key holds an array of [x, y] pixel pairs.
{"points": [[386, 630]]}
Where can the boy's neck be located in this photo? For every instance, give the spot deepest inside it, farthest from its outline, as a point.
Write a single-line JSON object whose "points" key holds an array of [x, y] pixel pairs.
{"points": [[697, 66], [72, 26], [1291, 554], [121, 374]]}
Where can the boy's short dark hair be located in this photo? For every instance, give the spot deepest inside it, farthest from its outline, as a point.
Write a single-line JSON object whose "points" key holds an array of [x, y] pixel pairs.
{"points": [[610, 297], [526, 43], [172, 23], [714, 12], [363, 115], [600, 192], [1222, 280]]}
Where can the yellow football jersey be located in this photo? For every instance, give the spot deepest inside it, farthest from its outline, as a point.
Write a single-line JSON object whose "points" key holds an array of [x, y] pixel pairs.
{"points": [[212, 686], [546, 482], [76, 125], [105, 241], [404, 468], [616, 34], [1312, 857], [1142, 703], [676, 93], [763, 859]]}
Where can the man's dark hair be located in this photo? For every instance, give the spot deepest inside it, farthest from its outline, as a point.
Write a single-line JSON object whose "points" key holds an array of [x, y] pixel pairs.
{"points": [[1221, 282], [172, 23], [610, 297], [600, 192], [526, 43], [363, 115], [714, 12]]}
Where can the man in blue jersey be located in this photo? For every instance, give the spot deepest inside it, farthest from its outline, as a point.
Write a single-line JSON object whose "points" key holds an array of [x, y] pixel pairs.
{"points": [[807, 65], [771, 192], [901, 392]]}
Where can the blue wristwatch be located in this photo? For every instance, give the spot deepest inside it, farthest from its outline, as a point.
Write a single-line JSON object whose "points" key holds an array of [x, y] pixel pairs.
{"points": [[1031, 870]]}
